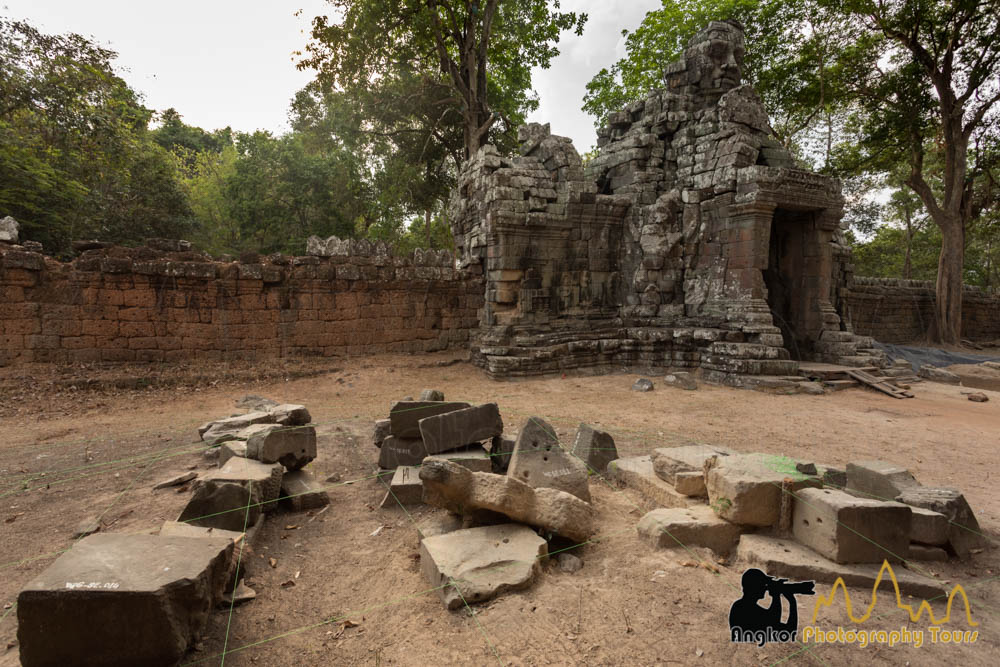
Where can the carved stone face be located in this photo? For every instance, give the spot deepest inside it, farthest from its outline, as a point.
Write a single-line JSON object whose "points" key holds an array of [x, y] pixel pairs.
{"points": [[715, 58]]}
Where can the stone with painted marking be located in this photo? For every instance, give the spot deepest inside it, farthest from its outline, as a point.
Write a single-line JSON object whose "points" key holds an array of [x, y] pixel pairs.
{"points": [[540, 461]]}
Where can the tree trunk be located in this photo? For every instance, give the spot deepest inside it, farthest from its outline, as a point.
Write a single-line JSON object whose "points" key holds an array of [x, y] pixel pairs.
{"points": [[948, 309], [427, 225], [907, 269]]}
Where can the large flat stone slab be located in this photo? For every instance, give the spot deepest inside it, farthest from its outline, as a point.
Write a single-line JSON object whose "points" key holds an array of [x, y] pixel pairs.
{"points": [[405, 416], [787, 558], [459, 428], [541, 462], [848, 529], [880, 480], [684, 466], [748, 488], [449, 485], [595, 448], [291, 446], [636, 472], [964, 533], [120, 600], [264, 479], [476, 564], [678, 528]]}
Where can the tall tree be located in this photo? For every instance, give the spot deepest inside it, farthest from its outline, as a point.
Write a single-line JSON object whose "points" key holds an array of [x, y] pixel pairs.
{"points": [[484, 49], [925, 73]]}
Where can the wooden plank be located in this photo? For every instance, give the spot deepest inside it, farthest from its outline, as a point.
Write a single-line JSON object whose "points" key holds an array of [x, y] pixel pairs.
{"points": [[879, 384]]}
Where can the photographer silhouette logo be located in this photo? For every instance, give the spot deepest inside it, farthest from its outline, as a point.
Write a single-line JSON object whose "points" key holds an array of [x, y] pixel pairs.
{"points": [[750, 623]]}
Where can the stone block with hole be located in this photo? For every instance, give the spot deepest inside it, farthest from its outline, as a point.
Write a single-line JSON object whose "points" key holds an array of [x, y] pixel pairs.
{"points": [[476, 564], [541, 462], [848, 529], [679, 527]]}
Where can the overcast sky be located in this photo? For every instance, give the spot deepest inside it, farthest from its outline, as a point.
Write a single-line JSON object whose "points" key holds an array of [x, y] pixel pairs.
{"points": [[223, 62]]}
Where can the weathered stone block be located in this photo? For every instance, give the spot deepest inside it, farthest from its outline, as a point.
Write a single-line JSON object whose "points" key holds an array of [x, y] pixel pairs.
{"points": [[263, 479], [595, 448], [405, 488], [459, 428], [684, 466], [288, 414], [226, 506], [540, 461], [748, 488], [382, 431], [848, 529], [291, 446], [405, 416], [301, 491], [964, 533], [477, 564], [122, 600], [697, 526], [458, 490], [929, 527], [636, 472], [229, 428], [396, 451], [878, 479], [475, 458]]}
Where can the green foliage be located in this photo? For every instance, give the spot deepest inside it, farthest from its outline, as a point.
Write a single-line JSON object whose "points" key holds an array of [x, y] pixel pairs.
{"points": [[76, 159]]}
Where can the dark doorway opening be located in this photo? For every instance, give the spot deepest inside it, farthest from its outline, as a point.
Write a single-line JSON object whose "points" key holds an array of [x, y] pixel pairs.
{"points": [[785, 280]]}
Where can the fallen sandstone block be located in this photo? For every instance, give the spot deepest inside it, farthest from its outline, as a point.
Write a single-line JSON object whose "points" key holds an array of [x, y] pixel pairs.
{"points": [[459, 428], [475, 458], [291, 446], [222, 505], [382, 431], [229, 428], [458, 490], [405, 416], [501, 449], [848, 529], [928, 527], [431, 395], [540, 461], [636, 472], [231, 448], [748, 488], [477, 564], [964, 533], [288, 414], [938, 375], [263, 479], [880, 480], [595, 448], [684, 466], [405, 488], [396, 451], [120, 600], [688, 527], [301, 491]]}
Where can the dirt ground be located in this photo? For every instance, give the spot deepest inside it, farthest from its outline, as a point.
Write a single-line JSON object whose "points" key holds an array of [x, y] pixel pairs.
{"points": [[95, 446]]}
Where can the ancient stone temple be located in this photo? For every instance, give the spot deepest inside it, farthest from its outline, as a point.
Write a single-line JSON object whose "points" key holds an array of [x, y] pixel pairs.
{"points": [[691, 239]]}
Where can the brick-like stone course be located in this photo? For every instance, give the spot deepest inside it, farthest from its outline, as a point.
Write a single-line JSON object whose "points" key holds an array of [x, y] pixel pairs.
{"points": [[140, 304]]}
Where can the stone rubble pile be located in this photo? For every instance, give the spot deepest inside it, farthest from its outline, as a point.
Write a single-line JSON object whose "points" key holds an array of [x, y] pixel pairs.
{"points": [[503, 504], [167, 584], [796, 518]]}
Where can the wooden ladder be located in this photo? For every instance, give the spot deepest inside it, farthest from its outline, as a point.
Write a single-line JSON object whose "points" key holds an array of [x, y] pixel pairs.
{"points": [[878, 383]]}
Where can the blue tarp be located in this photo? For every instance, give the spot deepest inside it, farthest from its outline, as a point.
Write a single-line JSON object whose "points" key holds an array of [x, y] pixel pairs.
{"points": [[931, 356]]}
